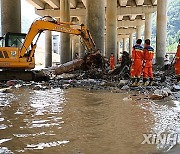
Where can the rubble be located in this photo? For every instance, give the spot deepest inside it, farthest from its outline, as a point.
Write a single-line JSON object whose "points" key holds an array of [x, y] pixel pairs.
{"points": [[69, 66], [90, 61], [10, 83], [126, 87], [154, 93], [127, 98], [97, 77], [161, 93], [5, 90], [176, 87]]}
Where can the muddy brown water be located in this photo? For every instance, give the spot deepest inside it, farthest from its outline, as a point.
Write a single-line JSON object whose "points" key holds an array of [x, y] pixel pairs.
{"points": [[79, 121]]}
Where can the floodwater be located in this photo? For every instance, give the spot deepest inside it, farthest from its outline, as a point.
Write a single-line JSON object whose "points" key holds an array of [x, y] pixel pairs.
{"points": [[79, 121]]}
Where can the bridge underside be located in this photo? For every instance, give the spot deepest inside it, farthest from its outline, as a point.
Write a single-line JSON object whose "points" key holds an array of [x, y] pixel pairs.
{"points": [[110, 22]]}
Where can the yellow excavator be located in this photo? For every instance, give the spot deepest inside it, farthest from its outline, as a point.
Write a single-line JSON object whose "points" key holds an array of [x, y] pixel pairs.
{"points": [[17, 49]]}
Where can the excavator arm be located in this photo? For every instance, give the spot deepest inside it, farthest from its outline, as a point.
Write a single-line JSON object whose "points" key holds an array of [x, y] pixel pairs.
{"points": [[17, 57], [52, 25]]}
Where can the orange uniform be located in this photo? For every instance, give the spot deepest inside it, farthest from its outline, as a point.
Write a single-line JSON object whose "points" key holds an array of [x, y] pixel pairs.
{"points": [[148, 57], [137, 57], [177, 64], [112, 61]]}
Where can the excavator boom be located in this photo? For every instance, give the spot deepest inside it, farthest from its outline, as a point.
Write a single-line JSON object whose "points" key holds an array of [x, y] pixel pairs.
{"points": [[23, 57], [52, 25], [18, 50]]}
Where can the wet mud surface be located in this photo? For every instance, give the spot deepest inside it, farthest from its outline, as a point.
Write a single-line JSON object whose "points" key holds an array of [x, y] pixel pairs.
{"points": [[86, 116]]}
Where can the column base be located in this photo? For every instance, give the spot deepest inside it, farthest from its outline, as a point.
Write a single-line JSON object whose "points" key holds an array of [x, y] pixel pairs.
{"points": [[160, 61]]}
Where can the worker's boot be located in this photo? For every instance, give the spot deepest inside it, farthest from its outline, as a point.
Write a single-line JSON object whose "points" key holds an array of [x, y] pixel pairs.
{"points": [[145, 81], [138, 82], [133, 84], [151, 82]]}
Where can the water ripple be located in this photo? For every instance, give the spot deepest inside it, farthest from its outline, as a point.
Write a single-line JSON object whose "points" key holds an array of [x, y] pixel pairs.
{"points": [[47, 101], [46, 145], [6, 99]]}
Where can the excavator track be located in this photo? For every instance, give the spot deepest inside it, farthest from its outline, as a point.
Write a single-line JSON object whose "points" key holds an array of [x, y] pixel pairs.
{"points": [[6, 75]]}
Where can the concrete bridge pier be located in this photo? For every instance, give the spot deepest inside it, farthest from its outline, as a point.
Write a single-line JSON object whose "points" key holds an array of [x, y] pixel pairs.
{"points": [[119, 47], [161, 32], [124, 44], [72, 46], [10, 16], [138, 32], [148, 26], [82, 20], [130, 43], [65, 52], [75, 46], [111, 28], [95, 14], [48, 49]]}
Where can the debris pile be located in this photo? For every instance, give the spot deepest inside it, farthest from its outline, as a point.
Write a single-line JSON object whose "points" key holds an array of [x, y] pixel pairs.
{"points": [[104, 81], [161, 93], [92, 72], [89, 62]]}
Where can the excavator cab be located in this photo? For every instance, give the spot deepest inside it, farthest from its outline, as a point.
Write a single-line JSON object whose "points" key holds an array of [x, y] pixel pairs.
{"points": [[10, 45], [12, 40], [12, 64]]}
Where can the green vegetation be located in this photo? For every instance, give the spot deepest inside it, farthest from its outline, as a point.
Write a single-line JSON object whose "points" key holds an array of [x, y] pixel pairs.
{"points": [[173, 25]]}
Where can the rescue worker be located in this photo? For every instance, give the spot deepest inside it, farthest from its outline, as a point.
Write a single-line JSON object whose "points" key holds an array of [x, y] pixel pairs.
{"points": [[123, 68], [136, 67], [112, 61], [125, 59], [166, 66], [147, 63], [166, 62], [177, 63]]}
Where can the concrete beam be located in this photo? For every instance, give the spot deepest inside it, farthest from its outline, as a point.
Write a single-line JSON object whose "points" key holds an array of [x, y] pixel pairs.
{"points": [[53, 3], [123, 2], [132, 17], [120, 11], [77, 12], [55, 13], [80, 5], [120, 17], [139, 2], [143, 17], [147, 2], [154, 2], [131, 3], [84, 2], [120, 36], [36, 3], [129, 23], [126, 30], [73, 3], [139, 10]]}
